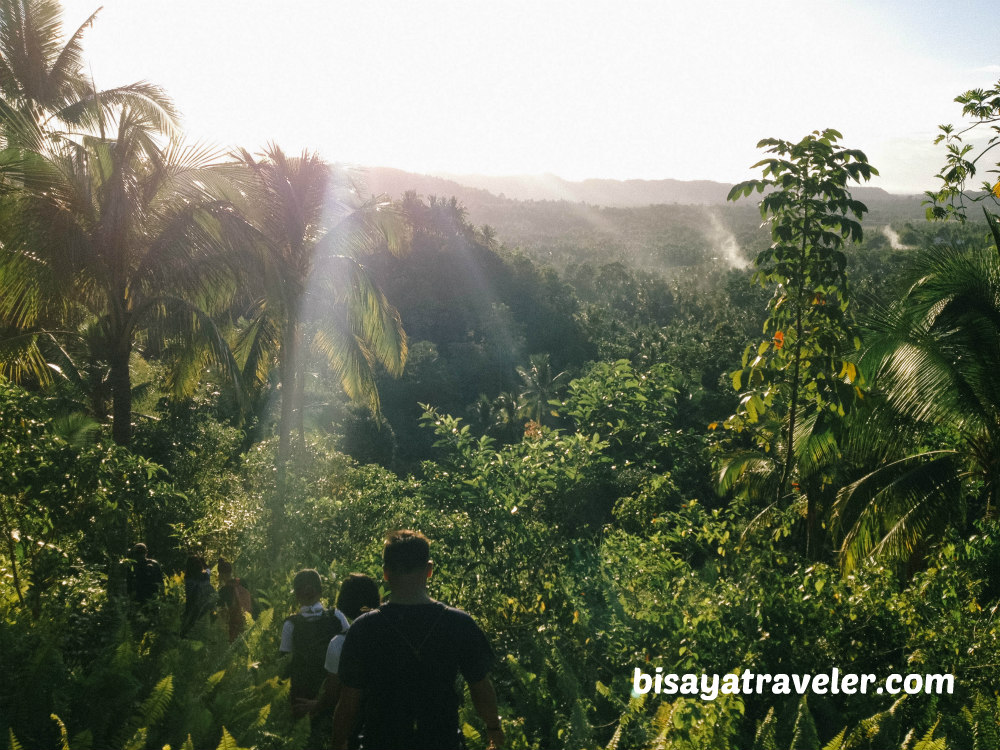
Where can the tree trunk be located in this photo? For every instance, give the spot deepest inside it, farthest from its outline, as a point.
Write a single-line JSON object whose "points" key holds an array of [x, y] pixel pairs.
{"points": [[121, 394], [285, 422], [11, 552], [287, 357], [298, 407], [793, 407]]}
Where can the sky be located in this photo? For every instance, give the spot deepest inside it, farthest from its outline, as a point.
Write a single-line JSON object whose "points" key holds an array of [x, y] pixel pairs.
{"points": [[624, 89]]}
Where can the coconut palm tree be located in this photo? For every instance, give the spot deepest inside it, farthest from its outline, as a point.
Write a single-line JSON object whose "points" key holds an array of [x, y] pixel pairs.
{"points": [[44, 90], [314, 294], [540, 385], [121, 236], [935, 356]]}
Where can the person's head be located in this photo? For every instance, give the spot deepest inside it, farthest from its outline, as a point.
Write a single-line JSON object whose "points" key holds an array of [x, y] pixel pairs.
{"points": [[225, 569], [307, 587], [358, 594], [139, 551], [195, 566], [406, 559]]}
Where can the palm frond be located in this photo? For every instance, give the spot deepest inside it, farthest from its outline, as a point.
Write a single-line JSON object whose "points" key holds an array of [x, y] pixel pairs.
{"points": [[257, 343], [889, 509], [175, 318], [754, 472], [350, 359]]}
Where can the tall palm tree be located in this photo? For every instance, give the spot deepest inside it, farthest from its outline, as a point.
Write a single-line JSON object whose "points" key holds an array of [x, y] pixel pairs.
{"points": [[44, 89], [121, 235], [935, 356], [540, 385], [314, 293]]}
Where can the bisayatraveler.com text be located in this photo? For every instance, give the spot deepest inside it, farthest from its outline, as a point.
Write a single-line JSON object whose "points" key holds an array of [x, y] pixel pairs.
{"points": [[709, 686]]}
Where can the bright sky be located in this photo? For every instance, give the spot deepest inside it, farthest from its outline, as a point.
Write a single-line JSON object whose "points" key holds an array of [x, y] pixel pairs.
{"points": [[621, 89]]}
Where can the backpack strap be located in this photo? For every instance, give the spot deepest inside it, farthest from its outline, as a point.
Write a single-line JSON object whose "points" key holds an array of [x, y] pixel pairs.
{"points": [[415, 649]]}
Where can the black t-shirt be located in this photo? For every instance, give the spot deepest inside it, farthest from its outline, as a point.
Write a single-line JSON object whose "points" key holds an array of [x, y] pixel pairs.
{"points": [[145, 579], [406, 658]]}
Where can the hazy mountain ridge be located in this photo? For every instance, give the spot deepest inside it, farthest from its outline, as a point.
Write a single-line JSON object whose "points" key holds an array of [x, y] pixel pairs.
{"points": [[653, 225], [477, 189]]}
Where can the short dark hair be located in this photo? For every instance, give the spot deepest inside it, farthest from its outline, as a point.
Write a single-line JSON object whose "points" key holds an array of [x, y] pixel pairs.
{"points": [[358, 593], [194, 566], [139, 551], [224, 568], [307, 580], [406, 551]]}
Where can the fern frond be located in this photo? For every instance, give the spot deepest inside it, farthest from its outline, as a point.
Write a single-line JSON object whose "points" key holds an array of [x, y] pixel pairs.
{"points": [[471, 733], [300, 735], [262, 715], [837, 743], [228, 743], [766, 738], [138, 741], [213, 680], [154, 708], [634, 708], [662, 722], [804, 736], [63, 734], [83, 740], [928, 741]]}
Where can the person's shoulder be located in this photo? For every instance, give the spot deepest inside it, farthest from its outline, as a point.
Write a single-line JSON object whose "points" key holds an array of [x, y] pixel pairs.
{"points": [[456, 614], [344, 622], [366, 620], [460, 622]]}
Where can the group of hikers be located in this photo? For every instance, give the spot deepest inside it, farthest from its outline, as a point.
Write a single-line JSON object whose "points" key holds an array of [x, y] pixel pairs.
{"points": [[369, 674], [145, 583]]}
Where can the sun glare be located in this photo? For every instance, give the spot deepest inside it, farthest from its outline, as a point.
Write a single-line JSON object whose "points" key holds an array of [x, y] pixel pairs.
{"points": [[592, 89]]}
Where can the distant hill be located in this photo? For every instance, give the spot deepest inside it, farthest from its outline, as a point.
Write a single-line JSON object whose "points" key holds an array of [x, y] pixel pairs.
{"points": [[597, 192], [648, 224], [482, 189], [396, 182]]}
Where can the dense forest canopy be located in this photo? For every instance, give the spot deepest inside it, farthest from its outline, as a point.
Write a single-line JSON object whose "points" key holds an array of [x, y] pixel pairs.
{"points": [[758, 436]]}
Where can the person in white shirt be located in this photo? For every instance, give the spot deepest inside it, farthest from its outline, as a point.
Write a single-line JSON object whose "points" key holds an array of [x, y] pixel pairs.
{"points": [[358, 594], [306, 636]]}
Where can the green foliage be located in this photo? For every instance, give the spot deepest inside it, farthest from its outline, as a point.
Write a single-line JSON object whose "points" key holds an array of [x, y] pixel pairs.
{"points": [[310, 235], [586, 545], [809, 210], [118, 239], [802, 374], [53, 490], [765, 738], [962, 159], [633, 410], [933, 354], [541, 387], [804, 735]]}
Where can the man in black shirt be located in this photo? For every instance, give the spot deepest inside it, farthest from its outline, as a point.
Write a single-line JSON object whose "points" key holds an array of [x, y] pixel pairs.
{"points": [[145, 577], [400, 662]]}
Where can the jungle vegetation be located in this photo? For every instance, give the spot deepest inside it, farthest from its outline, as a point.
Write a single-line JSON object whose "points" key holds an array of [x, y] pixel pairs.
{"points": [[637, 454]]}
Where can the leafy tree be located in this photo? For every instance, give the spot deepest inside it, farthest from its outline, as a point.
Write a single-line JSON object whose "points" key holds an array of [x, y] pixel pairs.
{"points": [[963, 159], [802, 368], [633, 410], [56, 484]]}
